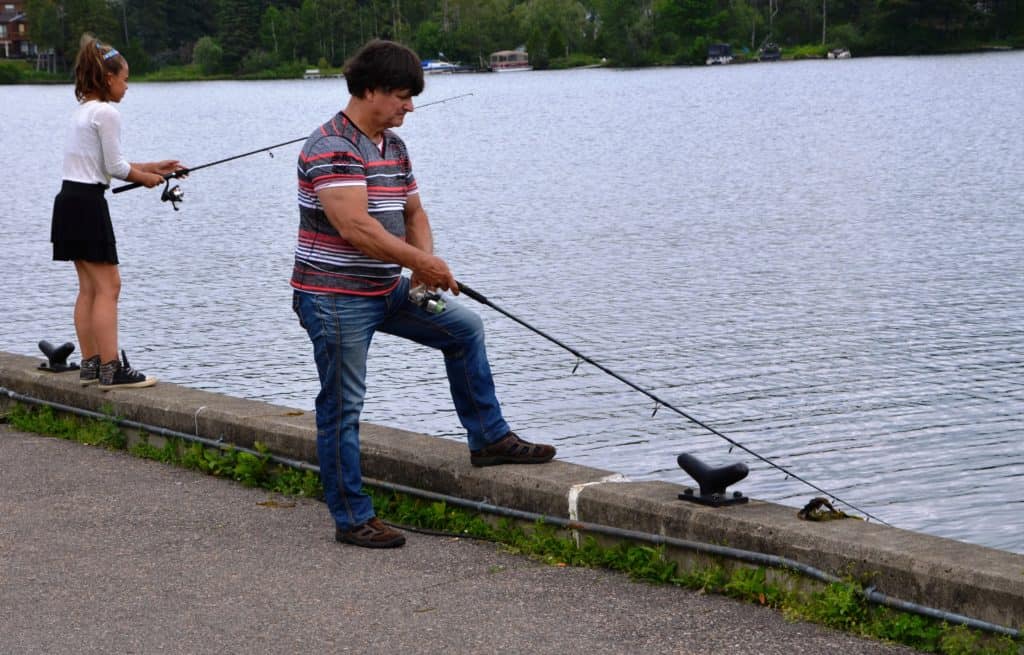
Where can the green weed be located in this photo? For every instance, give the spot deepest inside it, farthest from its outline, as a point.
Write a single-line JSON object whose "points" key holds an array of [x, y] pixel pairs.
{"points": [[92, 432], [839, 606], [250, 470], [752, 585]]}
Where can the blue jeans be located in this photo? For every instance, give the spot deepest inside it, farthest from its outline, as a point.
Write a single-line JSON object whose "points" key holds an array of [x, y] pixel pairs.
{"points": [[341, 328]]}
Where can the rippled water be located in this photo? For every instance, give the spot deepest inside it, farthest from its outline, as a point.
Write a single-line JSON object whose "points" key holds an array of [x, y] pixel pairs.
{"points": [[822, 260]]}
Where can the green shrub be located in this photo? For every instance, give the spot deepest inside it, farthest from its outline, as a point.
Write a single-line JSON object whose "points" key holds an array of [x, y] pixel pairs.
{"points": [[10, 72], [669, 43], [815, 51], [208, 55], [846, 36], [576, 60], [257, 61], [698, 52], [189, 72]]}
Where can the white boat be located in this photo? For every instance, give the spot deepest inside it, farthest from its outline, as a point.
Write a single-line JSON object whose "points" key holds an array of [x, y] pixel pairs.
{"points": [[315, 74], [433, 66], [769, 52], [719, 53], [839, 53], [509, 61]]}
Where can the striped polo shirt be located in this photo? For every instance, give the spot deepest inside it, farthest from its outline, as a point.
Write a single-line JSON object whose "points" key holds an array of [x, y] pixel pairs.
{"points": [[338, 154]]}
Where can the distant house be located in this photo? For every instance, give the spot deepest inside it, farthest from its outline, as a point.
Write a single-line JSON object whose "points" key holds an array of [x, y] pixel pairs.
{"points": [[14, 41]]}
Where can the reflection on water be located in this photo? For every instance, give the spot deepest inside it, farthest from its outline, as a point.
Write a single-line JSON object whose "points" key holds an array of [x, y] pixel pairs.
{"points": [[822, 260]]}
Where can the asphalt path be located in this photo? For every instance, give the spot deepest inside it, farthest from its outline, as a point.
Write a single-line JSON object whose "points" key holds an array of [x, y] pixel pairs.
{"points": [[101, 552]]}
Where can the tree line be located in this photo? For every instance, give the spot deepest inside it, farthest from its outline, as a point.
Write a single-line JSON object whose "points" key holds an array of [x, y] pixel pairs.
{"points": [[248, 36]]}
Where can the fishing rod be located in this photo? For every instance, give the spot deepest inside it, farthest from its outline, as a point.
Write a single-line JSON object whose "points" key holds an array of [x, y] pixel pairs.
{"points": [[480, 298], [176, 195], [183, 172]]}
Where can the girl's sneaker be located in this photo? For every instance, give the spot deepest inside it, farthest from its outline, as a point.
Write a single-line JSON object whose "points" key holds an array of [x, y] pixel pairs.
{"points": [[115, 375], [89, 373]]}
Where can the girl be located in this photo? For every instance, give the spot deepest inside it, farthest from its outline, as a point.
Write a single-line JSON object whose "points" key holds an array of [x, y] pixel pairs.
{"points": [[81, 230]]}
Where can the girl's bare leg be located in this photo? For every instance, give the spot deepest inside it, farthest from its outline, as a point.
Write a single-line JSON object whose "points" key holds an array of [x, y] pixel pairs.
{"points": [[99, 286]]}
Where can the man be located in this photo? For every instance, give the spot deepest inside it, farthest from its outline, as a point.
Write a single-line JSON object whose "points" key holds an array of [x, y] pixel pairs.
{"points": [[360, 222]]}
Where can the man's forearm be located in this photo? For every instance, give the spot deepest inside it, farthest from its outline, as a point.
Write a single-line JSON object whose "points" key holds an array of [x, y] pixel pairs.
{"points": [[374, 241], [418, 233]]}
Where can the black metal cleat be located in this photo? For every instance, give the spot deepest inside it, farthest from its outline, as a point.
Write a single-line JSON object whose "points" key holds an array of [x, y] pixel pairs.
{"points": [[57, 357], [712, 481]]}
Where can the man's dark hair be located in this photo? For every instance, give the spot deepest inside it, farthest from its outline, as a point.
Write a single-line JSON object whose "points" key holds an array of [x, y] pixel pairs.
{"points": [[384, 66]]}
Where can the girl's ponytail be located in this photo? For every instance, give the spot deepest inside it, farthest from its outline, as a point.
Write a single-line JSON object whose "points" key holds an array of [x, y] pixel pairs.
{"points": [[93, 62]]}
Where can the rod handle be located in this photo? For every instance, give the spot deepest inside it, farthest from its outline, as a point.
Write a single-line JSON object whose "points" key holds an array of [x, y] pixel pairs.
{"points": [[181, 172], [126, 187], [475, 295]]}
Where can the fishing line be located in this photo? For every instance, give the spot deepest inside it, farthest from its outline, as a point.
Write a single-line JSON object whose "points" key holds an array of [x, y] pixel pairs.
{"points": [[480, 298], [184, 172]]}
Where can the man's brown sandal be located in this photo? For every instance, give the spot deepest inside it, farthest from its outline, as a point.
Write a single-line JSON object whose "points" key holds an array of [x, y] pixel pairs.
{"points": [[372, 534], [510, 449]]}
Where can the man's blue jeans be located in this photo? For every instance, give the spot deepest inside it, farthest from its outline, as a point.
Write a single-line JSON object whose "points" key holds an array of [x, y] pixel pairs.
{"points": [[341, 328]]}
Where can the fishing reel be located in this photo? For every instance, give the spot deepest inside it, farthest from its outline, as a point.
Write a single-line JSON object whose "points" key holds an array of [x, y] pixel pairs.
{"points": [[430, 301], [173, 195]]}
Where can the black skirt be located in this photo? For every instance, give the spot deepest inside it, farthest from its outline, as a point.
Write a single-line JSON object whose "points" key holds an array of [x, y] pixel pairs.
{"points": [[81, 227]]}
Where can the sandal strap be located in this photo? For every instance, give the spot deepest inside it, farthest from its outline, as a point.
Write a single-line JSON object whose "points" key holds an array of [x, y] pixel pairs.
{"points": [[368, 530], [518, 446]]}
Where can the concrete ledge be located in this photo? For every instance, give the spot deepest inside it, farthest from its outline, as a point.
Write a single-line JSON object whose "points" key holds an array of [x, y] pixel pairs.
{"points": [[979, 582]]}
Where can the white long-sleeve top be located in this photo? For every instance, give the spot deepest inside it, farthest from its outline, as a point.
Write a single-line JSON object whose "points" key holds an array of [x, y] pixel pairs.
{"points": [[92, 150]]}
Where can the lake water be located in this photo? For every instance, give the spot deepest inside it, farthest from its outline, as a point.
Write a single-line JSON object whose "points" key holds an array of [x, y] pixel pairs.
{"points": [[823, 260]]}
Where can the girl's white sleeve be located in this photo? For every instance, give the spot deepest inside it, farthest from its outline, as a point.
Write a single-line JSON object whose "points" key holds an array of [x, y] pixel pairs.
{"points": [[108, 126]]}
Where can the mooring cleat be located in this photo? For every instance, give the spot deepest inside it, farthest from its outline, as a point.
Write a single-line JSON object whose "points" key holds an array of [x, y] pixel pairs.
{"points": [[712, 481], [57, 357]]}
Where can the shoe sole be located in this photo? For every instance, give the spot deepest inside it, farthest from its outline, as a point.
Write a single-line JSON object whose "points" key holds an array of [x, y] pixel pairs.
{"points": [[394, 543], [503, 459], [148, 382]]}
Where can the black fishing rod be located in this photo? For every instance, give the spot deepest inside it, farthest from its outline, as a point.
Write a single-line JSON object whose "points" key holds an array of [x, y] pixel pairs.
{"points": [[480, 298], [176, 196], [183, 172]]}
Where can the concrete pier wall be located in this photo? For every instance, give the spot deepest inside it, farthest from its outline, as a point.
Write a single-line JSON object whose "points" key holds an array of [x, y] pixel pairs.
{"points": [[975, 581]]}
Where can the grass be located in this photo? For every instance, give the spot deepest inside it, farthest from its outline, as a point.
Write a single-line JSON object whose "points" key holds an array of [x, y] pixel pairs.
{"points": [[575, 60], [840, 606], [192, 73], [20, 71], [185, 73]]}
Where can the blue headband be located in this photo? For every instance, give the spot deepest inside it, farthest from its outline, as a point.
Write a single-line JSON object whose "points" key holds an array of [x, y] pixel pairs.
{"points": [[109, 53]]}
